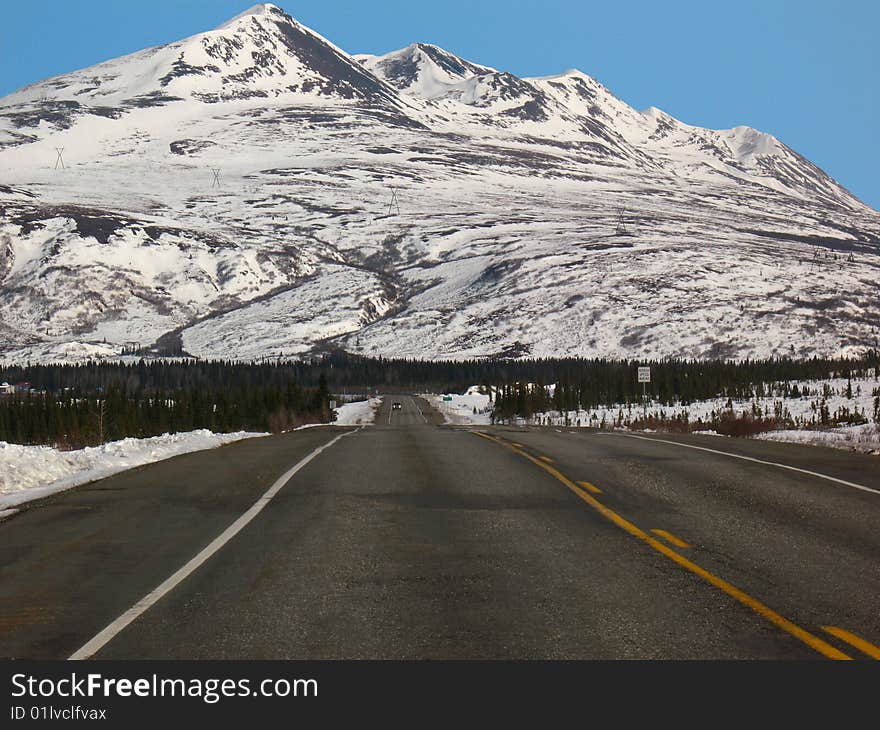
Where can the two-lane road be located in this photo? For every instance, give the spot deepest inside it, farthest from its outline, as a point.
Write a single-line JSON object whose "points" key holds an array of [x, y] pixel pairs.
{"points": [[409, 540], [412, 412]]}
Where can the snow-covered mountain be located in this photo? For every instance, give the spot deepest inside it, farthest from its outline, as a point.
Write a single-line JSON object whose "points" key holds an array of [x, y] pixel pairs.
{"points": [[254, 190]]}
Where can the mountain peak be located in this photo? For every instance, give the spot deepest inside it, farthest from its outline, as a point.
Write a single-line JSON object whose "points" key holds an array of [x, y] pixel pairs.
{"points": [[423, 69], [655, 113], [572, 73], [260, 10], [260, 53], [748, 143]]}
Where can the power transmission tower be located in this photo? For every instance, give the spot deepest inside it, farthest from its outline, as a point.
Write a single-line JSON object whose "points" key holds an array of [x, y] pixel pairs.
{"points": [[622, 230], [216, 183], [60, 159], [394, 202]]}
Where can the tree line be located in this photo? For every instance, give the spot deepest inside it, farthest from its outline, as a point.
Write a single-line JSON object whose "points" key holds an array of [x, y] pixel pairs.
{"points": [[591, 384], [98, 401], [74, 417], [596, 380]]}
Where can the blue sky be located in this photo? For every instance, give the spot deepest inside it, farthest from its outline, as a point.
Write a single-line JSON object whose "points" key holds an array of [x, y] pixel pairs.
{"points": [[804, 71]]}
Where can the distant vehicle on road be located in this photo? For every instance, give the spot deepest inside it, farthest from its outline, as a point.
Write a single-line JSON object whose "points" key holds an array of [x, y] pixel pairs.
{"points": [[396, 406]]}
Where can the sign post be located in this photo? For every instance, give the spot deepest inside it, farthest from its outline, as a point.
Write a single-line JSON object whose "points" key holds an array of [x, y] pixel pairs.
{"points": [[644, 379]]}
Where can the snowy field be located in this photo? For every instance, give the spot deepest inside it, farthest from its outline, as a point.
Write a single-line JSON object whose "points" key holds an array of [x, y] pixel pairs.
{"points": [[834, 392], [837, 394], [33, 472]]}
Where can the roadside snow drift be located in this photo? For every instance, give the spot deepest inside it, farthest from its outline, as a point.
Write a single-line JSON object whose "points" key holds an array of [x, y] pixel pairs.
{"points": [[865, 437], [355, 414], [32, 472], [473, 407]]}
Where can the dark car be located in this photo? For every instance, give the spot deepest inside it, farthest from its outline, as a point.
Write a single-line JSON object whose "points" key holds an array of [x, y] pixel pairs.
{"points": [[396, 406]]}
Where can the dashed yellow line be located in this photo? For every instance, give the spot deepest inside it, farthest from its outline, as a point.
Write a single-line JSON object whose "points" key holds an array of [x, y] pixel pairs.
{"points": [[811, 640], [866, 647], [546, 459], [590, 487], [671, 539]]}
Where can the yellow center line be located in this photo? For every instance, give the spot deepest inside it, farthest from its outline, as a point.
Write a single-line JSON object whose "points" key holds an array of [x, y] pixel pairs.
{"points": [[671, 539], [546, 458], [858, 642], [811, 640], [590, 487]]}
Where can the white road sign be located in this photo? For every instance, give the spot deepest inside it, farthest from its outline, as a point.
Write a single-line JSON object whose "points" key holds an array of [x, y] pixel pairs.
{"points": [[644, 375]]}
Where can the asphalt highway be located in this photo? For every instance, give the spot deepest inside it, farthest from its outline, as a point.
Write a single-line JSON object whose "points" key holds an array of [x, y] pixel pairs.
{"points": [[409, 539]]}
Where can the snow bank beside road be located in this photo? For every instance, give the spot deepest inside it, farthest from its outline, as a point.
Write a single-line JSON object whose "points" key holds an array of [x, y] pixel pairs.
{"points": [[460, 410], [32, 472], [857, 438], [355, 414]]}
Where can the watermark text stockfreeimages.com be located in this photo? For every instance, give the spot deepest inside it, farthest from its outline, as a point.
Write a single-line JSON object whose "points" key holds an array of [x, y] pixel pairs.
{"points": [[212, 690]]}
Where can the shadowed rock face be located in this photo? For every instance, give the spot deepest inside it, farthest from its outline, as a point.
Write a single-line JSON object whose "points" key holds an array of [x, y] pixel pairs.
{"points": [[181, 68], [451, 64], [343, 77], [7, 255], [190, 147]]}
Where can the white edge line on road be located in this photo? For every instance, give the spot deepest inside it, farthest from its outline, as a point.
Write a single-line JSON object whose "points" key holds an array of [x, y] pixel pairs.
{"points": [[750, 458], [96, 643], [418, 408]]}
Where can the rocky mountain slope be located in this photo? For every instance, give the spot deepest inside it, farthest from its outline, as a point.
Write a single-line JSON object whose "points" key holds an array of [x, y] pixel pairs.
{"points": [[255, 191]]}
